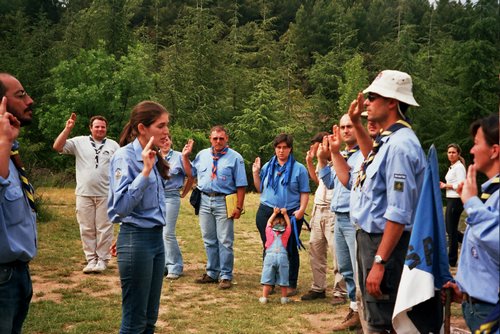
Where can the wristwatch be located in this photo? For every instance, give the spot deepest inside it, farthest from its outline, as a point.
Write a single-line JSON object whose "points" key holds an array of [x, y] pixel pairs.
{"points": [[378, 259]]}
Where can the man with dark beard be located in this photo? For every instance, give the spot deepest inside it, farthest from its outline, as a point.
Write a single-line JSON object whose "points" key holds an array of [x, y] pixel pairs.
{"points": [[17, 208]]}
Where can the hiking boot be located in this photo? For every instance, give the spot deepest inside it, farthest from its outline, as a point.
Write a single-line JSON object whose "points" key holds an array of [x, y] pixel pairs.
{"points": [[225, 284], [350, 322], [338, 300], [311, 295], [205, 279]]}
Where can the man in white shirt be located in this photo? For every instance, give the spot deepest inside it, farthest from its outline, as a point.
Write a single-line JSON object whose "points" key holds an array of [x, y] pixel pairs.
{"points": [[92, 154]]}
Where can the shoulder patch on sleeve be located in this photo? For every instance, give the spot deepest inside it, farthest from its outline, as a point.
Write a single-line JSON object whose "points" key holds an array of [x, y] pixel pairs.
{"points": [[118, 174], [399, 186]]}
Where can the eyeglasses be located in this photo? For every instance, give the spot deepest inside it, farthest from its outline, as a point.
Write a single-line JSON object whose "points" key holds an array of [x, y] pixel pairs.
{"points": [[372, 97], [218, 138]]}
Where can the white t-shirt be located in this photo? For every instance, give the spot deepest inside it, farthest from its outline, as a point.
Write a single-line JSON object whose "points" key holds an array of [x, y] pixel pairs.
{"points": [[455, 175], [92, 174], [323, 195]]}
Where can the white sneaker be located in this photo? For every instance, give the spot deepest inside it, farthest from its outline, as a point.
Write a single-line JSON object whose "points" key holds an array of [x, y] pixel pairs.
{"points": [[263, 300], [172, 276], [90, 266], [100, 266], [285, 300]]}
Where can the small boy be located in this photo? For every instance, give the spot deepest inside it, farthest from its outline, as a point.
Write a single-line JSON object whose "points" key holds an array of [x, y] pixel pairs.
{"points": [[275, 268]]}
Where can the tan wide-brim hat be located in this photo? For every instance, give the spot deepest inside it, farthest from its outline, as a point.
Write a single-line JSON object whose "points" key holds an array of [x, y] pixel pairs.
{"points": [[395, 85]]}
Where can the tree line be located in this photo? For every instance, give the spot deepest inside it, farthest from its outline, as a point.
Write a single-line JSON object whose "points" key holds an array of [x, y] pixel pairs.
{"points": [[258, 67]]}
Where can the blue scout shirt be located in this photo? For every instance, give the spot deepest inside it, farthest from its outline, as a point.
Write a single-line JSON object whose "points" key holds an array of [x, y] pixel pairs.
{"points": [[393, 184], [230, 172], [288, 197], [133, 198], [17, 220], [177, 172], [341, 194], [478, 269]]}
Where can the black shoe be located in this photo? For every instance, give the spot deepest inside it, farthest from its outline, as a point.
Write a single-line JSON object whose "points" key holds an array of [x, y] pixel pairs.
{"points": [[311, 295]]}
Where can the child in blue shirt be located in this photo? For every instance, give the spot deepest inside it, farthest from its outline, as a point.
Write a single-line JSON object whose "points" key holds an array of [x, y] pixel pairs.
{"points": [[275, 268]]}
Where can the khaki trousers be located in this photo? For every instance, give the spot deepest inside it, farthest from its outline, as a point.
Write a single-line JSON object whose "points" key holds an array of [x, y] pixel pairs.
{"points": [[320, 242], [96, 231]]}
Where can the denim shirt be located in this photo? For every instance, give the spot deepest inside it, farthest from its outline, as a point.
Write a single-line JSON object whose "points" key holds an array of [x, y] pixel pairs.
{"points": [[230, 172], [133, 198], [177, 173], [392, 185], [341, 194], [288, 197], [478, 268], [18, 236]]}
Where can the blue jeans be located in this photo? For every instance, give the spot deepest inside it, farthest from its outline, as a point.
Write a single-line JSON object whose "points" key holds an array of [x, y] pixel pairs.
{"points": [[141, 260], [217, 232], [345, 249], [15, 296], [173, 256], [475, 314]]}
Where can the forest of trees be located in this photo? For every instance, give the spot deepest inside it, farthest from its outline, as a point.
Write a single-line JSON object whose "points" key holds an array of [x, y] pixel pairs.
{"points": [[258, 67]]}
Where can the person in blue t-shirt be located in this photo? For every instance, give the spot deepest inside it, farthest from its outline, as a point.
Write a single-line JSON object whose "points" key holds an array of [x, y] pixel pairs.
{"points": [[284, 183], [136, 201]]}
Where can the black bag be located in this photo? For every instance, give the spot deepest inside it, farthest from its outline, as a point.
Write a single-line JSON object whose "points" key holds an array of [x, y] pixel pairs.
{"points": [[195, 199]]}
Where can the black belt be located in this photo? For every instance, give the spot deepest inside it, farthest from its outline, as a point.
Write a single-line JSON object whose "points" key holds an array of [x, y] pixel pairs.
{"points": [[213, 194], [14, 264], [471, 300]]}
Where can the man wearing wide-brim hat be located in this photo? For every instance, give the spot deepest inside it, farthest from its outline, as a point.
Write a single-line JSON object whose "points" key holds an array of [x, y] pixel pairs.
{"points": [[387, 190]]}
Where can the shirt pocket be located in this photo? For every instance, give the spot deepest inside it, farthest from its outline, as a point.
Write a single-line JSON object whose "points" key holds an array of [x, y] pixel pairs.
{"points": [[15, 205], [225, 174]]}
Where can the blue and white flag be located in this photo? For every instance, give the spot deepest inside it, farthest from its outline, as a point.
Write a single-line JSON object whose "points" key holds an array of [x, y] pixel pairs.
{"points": [[418, 308]]}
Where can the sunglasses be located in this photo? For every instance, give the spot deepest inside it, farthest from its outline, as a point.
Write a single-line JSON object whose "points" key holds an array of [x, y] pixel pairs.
{"points": [[372, 97], [218, 138]]}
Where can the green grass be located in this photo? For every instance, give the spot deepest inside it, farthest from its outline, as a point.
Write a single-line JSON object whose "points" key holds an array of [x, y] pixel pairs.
{"points": [[67, 301]]}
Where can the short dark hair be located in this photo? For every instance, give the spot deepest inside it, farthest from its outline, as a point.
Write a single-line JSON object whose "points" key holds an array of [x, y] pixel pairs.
{"points": [[283, 137], [318, 138], [218, 128], [99, 117], [490, 128]]}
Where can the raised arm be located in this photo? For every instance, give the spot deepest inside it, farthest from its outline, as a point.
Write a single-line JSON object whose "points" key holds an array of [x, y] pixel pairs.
{"points": [[311, 169], [365, 142], [9, 130], [63, 136], [256, 174], [342, 169], [188, 170]]}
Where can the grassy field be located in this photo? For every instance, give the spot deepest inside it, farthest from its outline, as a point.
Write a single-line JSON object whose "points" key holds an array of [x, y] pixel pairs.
{"points": [[67, 301]]}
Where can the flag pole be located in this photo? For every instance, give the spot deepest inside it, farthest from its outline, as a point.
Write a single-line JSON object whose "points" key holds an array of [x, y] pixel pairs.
{"points": [[447, 311]]}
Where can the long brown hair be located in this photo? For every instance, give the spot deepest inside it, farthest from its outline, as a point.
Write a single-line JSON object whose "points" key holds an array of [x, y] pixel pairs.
{"points": [[145, 113], [459, 151]]}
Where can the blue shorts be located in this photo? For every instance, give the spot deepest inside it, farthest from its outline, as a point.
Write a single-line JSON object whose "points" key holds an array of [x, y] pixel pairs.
{"points": [[275, 269]]}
